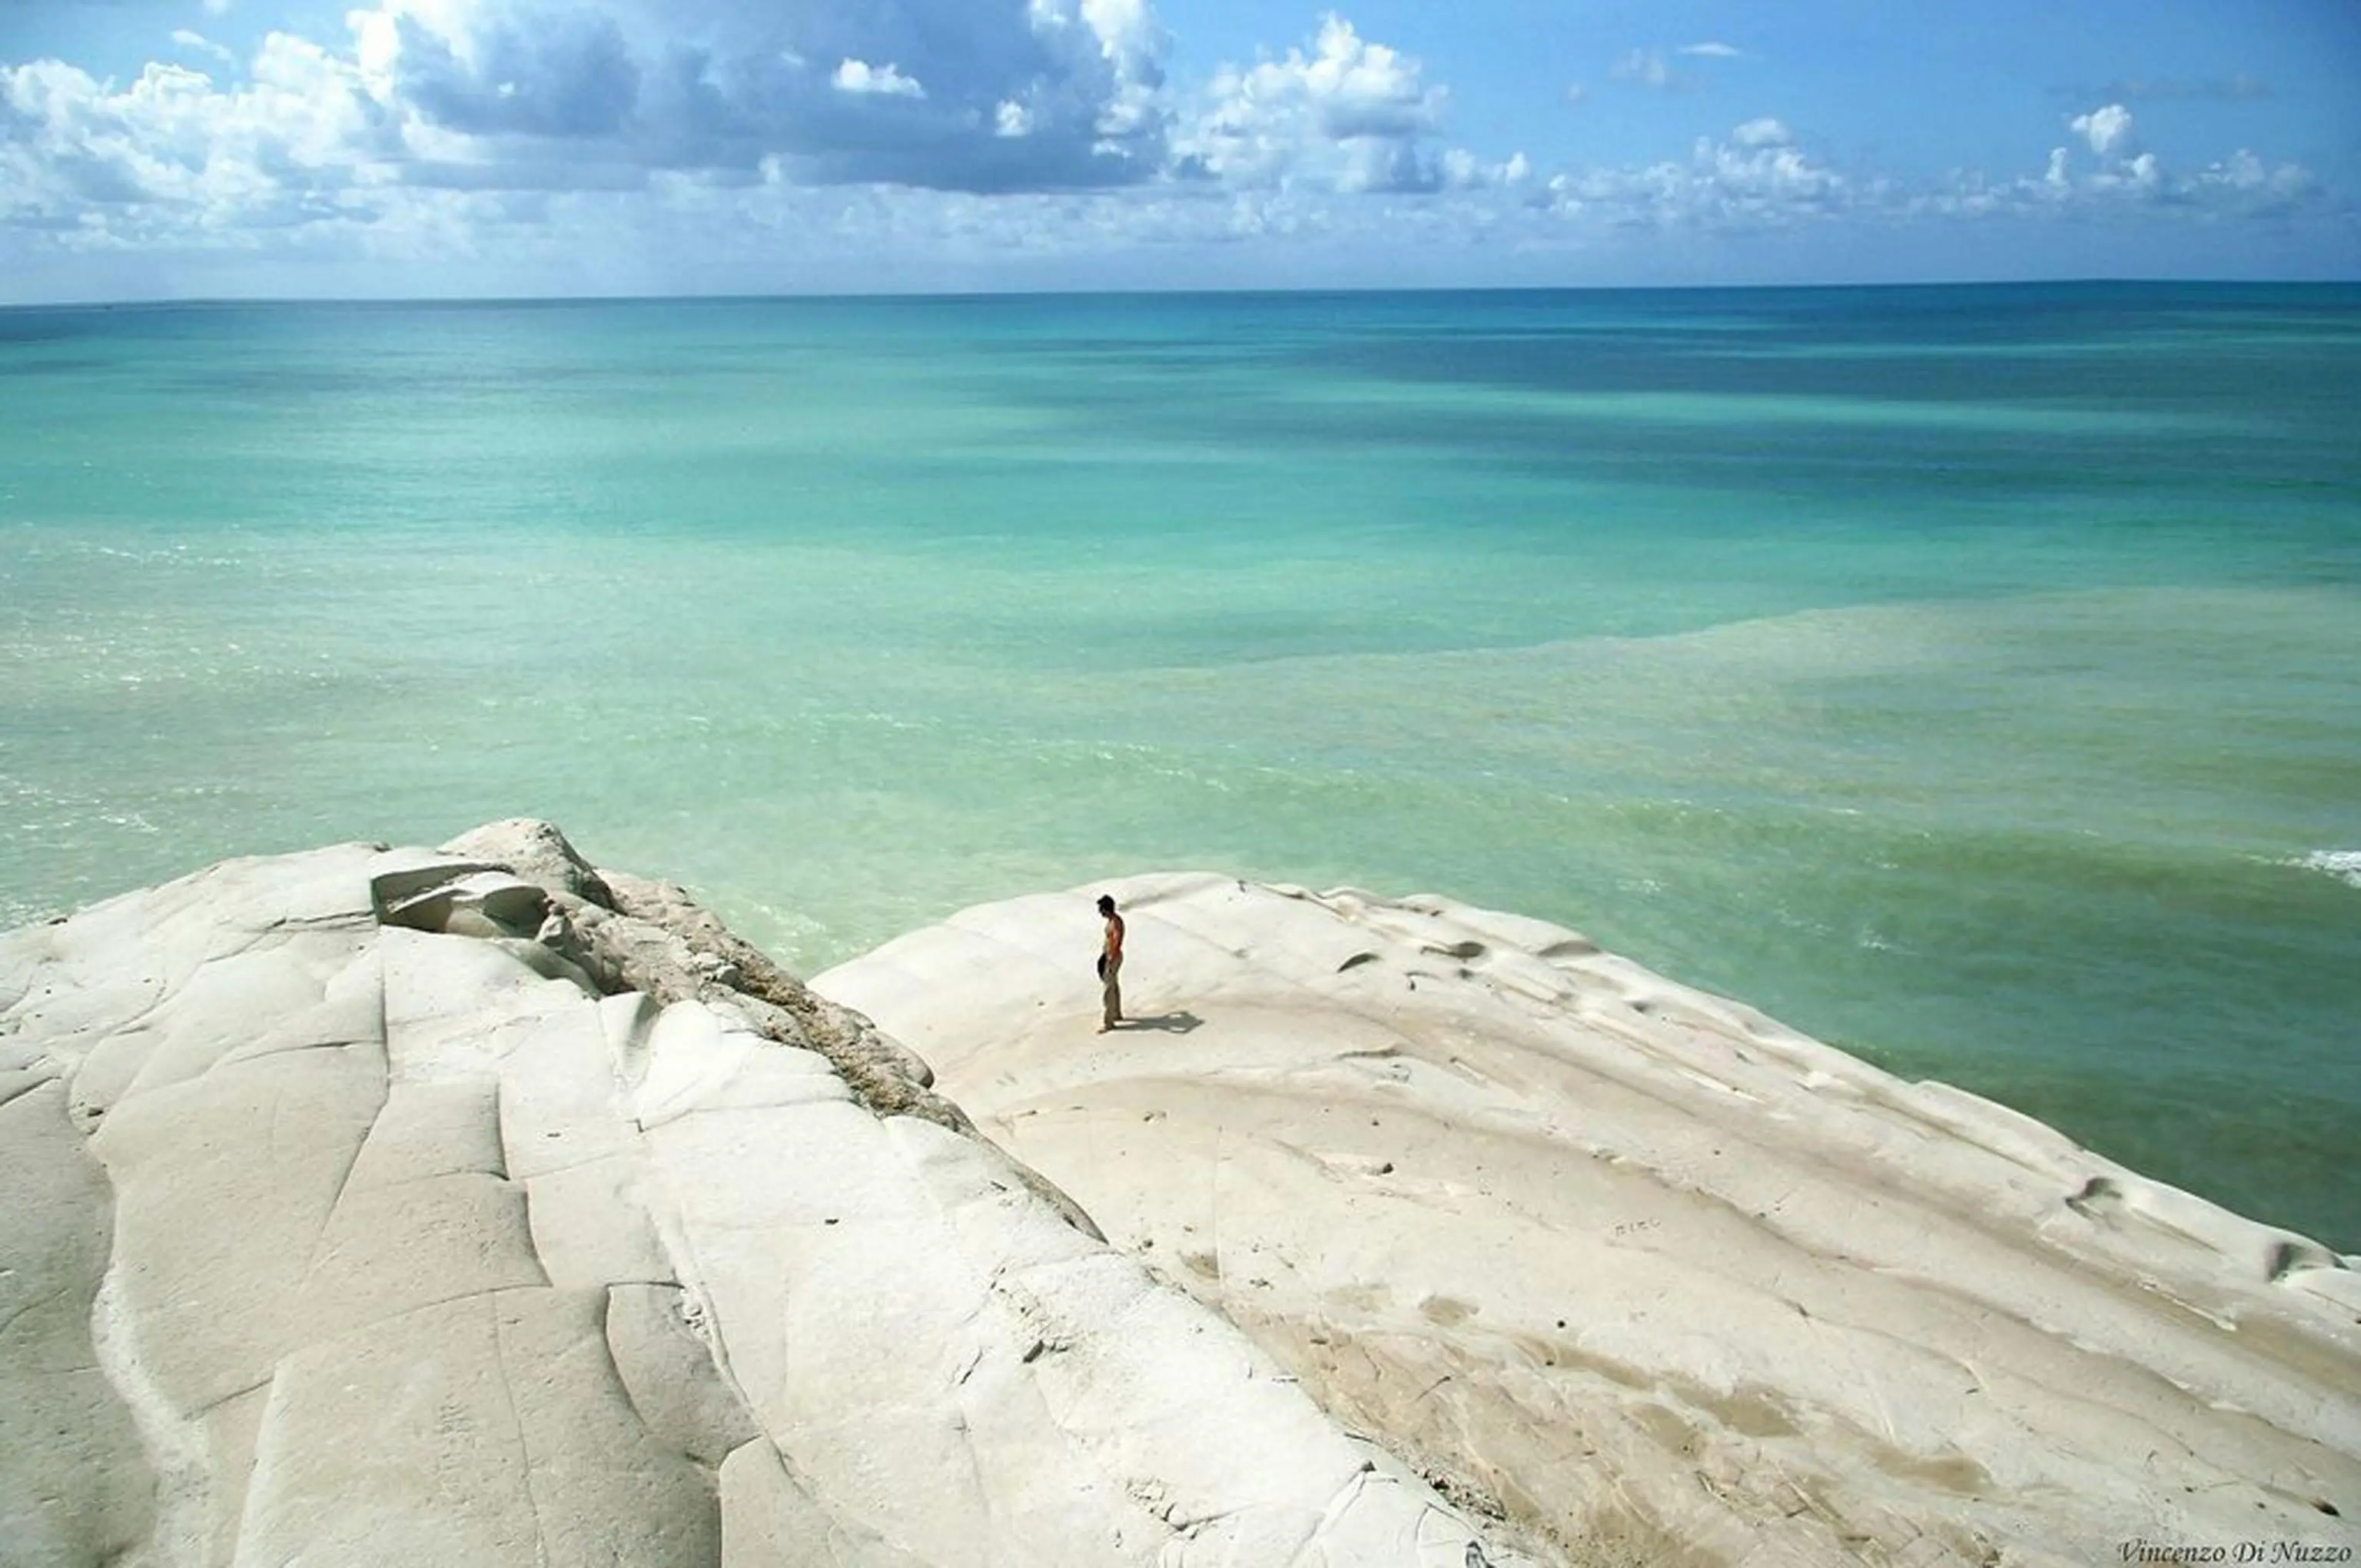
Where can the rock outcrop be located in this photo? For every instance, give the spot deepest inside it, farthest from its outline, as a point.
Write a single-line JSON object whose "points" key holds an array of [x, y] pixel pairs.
{"points": [[1663, 1280], [474, 1206]]}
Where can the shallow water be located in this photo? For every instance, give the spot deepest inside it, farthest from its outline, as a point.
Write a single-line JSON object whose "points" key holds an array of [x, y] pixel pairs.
{"points": [[1970, 677]]}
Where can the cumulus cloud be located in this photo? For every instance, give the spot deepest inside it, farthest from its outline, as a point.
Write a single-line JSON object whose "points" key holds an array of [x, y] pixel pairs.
{"points": [[431, 116], [554, 73], [2108, 129], [2243, 183], [441, 129], [2115, 176], [1756, 178], [2247, 181], [174, 149], [1760, 172], [436, 126], [1049, 94], [1463, 170], [1345, 112], [534, 96], [859, 76]]}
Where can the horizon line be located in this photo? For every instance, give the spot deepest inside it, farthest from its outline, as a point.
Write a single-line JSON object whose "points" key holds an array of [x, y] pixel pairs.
{"points": [[722, 297]]}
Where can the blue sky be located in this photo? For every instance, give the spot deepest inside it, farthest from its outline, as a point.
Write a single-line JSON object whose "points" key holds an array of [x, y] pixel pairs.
{"points": [[160, 149]]}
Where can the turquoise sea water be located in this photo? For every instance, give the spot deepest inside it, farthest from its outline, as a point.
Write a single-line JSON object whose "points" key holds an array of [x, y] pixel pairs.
{"points": [[1968, 677]]}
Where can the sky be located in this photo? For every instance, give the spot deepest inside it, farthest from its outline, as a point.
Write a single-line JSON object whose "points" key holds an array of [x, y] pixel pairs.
{"points": [[293, 149]]}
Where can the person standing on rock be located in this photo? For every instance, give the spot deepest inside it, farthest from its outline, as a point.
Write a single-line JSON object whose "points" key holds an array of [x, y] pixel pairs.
{"points": [[1110, 965]]}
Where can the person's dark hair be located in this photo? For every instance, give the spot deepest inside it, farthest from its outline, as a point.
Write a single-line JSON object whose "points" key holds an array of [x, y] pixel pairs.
{"points": [[1106, 904]]}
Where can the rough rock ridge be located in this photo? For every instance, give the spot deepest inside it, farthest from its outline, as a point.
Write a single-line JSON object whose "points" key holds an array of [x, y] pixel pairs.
{"points": [[473, 1206]]}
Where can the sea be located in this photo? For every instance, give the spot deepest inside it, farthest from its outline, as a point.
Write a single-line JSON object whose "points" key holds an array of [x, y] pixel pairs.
{"points": [[1968, 677]]}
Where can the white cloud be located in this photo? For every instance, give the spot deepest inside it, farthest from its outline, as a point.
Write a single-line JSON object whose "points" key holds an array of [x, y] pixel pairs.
{"points": [[217, 7], [197, 43], [2108, 129], [1463, 170], [859, 76], [1576, 93], [2117, 177], [2249, 178], [837, 90], [1766, 178], [535, 134], [2141, 176], [1127, 30], [2241, 185], [1355, 87], [1710, 49], [436, 111], [1346, 112], [174, 153], [1756, 179]]}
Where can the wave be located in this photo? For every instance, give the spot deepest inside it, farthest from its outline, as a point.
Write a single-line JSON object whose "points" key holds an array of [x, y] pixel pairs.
{"points": [[2344, 865]]}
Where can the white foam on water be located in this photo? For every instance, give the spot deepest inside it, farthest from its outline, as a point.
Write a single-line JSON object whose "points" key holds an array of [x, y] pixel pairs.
{"points": [[2344, 865]]}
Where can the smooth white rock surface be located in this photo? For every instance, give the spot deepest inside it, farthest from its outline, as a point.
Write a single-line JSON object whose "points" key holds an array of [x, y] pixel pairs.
{"points": [[471, 1207], [1664, 1280]]}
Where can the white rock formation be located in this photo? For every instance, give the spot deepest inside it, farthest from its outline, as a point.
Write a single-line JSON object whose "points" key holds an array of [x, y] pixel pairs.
{"points": [[468, 1206], [1670, 1282]]}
